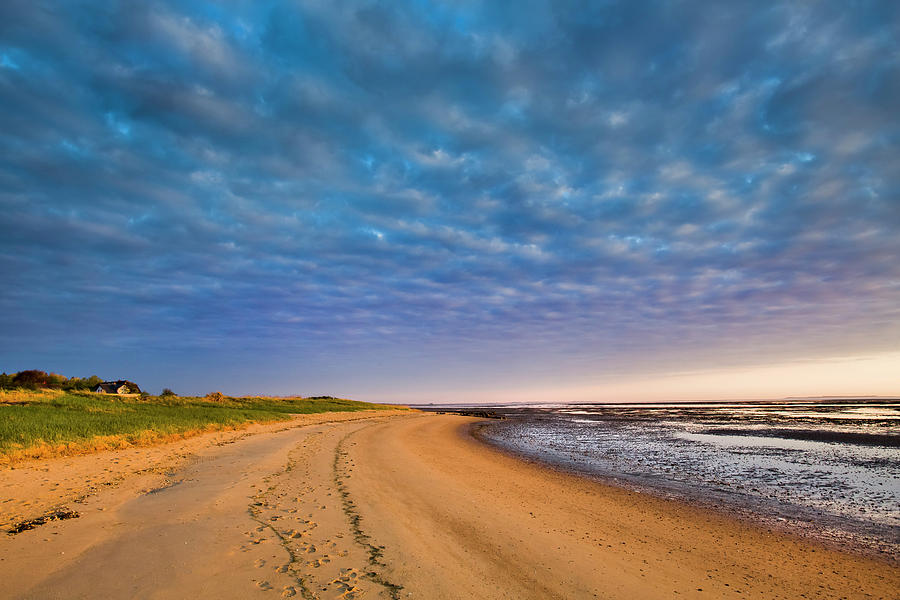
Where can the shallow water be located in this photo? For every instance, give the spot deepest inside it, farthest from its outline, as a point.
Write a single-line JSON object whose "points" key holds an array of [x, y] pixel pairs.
{"points": [[829, 469]]}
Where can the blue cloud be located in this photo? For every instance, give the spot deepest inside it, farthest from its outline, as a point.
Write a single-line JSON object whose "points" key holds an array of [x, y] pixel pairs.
{"points": [[544, 183]]}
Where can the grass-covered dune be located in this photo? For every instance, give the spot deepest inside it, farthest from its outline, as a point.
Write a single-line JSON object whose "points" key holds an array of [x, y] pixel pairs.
{"points": [[43, 423]]}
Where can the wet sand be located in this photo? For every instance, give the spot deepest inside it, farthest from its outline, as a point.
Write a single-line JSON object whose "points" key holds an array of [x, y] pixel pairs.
{"points": [[403, 506]]}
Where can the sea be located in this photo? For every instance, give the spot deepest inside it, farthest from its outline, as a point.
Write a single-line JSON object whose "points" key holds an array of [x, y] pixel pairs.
{"points": [[824, 468]]}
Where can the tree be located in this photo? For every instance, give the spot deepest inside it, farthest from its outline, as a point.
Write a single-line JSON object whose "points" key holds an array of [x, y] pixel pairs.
{"points": [[168, 392], [73, 383], [91, 382], [56, 381], [31, 379]]}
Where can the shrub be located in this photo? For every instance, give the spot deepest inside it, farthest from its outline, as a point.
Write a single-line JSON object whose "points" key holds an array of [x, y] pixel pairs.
{"points": [[168, 392], [31, 379], [215, 397]]}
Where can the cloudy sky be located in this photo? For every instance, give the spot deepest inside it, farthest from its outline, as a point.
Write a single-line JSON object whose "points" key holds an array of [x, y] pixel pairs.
{"points": [[461, 201]]}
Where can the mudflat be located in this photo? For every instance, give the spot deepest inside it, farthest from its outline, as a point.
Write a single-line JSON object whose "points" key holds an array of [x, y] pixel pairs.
{"points": [[383, 506]]}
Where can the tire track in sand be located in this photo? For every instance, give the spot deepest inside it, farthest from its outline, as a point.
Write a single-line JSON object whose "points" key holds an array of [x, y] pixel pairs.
{"points": [[375, 553], [307, 508]]}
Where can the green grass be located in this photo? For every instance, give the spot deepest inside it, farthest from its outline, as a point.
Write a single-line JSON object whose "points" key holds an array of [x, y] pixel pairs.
{"points": [[42, 424]]}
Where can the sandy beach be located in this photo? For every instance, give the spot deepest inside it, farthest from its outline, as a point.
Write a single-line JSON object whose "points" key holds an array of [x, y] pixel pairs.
{"points": [[383, 506]]}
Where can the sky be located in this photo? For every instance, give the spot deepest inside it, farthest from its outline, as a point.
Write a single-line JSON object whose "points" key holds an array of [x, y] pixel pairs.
{"points": [[461, 201]]}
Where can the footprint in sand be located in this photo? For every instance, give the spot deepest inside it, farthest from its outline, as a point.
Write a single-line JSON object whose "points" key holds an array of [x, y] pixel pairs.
{"points": [[259, 563], [348, 592], [264, 585], [288, 591], [318, 562], [342, 586]]}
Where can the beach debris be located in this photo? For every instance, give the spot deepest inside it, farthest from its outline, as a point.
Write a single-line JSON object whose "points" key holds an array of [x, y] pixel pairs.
{"points": [[57, 515], [480, 414]]}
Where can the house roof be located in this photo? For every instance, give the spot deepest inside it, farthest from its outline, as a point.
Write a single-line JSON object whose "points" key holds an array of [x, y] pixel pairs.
{"points": [[111, 386]]}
